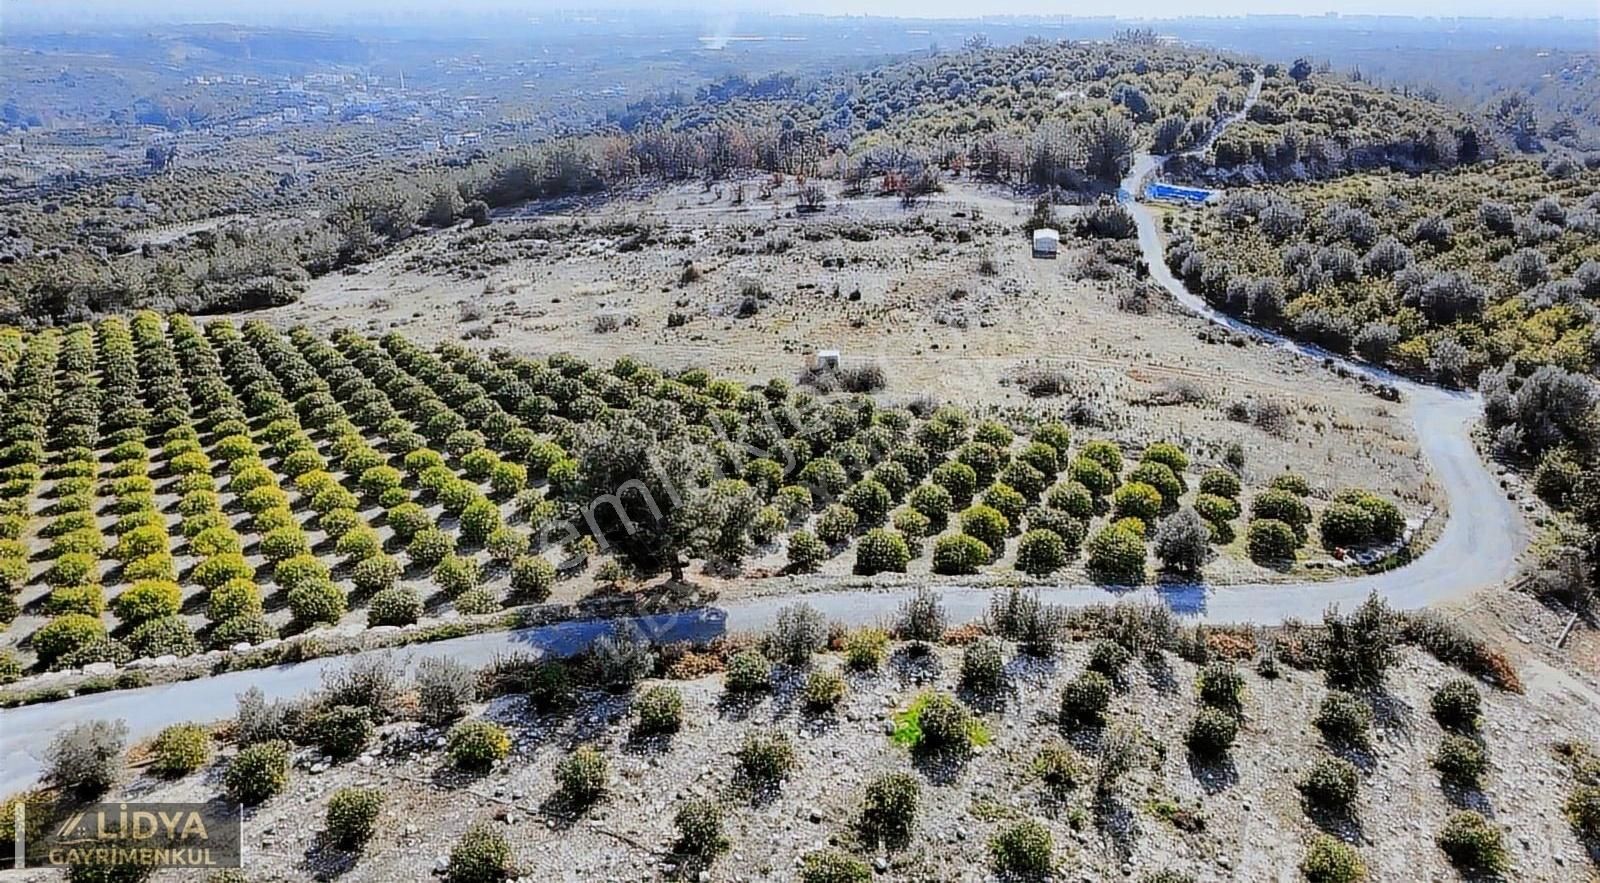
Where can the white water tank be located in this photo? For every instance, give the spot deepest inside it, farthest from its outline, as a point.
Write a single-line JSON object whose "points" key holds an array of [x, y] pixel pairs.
{"points": [[1046, 242]]}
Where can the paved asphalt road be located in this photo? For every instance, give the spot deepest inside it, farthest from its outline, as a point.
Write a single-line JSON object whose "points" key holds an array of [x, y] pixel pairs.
{"points": [[1477, 549]]}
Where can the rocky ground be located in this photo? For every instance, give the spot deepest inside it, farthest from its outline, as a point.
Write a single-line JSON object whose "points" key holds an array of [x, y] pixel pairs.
{"points": [[1238, 820]]}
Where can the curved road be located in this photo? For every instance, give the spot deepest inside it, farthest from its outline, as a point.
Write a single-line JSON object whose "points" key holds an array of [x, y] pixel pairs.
{"points": [[1478, 549]]}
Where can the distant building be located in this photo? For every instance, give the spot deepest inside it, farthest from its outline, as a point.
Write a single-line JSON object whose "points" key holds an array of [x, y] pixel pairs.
{"points": [[825, 360], [1046, 243], [1174, 193]]}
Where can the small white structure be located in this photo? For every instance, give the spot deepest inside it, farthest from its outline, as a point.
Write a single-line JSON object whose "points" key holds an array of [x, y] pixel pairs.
{"points": [[825, 360], [1046, 243]]}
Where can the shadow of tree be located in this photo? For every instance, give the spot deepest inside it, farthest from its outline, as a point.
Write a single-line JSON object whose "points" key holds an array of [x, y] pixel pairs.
{"points": [[1393, 714], [732, 706], [1339, 823], [915, 664], [940, 767], [1158, 672], [1215, 775], [324, 861], [1116, 823]]}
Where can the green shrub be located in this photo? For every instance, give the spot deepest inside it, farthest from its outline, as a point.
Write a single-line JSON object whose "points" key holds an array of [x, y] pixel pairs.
{"points": [[64, 634], [532, 578], [1270, 541], [793, 501], [219, 570], [301, 570], [985, 524], [482, 855], [1007, 501], [506, 543], [180, 749], [397, 606], [284, 543], [748, 672], [938, 724], [823, 691], [147, 600], [983, 668], [959, 480], [866, 649], [1290, 483], [341, 731], [1058, 767], [1041, 552], [881, 550], [1215, 509], [836, 524], [1473, 845], [806, 552], [1329, 861], [317, 601], [10, 667], [933, 501], [1211, 733], [1345, 524], [257, 772], [73, 569], [429, 546], [89, 600], [98, 650], [477, 745], [1330, 786], [1022, 849], [159, 566], [1117, 554], [479, 519], [249, 628], [215, 541], [1460, 761], [358, 544], [1284, 506], [766, 759], [660, 711], [138, 543], [1137, 500], [456, 574], [890, 807], [869, 500], [1457, 705], [699, 824], [352, 816], [1085, 699], [583, 776], [1220, 685], [833, 866], [1344, 720], [272, 518], [375, 574], [1582, 810], [960, 555], [407, 520], [1220, 483], [1108, 658]]}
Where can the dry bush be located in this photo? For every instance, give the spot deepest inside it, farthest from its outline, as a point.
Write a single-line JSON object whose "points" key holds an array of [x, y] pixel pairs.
{"points": [[1177, 391], [1274, 417]]}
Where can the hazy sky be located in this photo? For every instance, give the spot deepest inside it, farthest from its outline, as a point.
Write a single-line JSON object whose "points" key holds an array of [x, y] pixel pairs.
{"points": [[90, 11]]}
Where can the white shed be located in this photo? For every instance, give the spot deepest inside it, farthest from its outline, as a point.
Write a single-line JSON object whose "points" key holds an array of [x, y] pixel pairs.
{"points": [[1046, 242], [825, 360]]}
